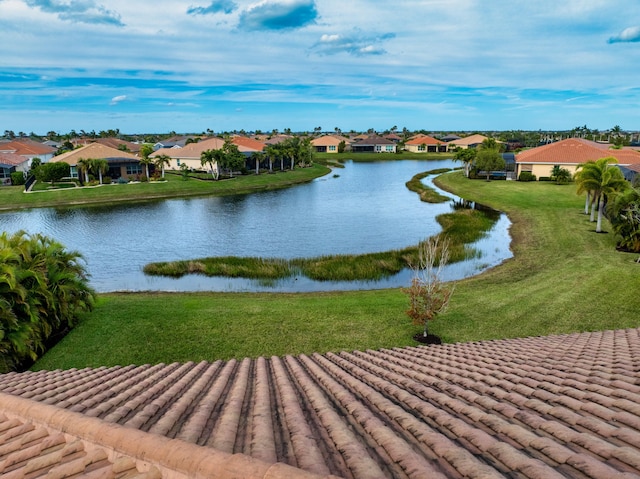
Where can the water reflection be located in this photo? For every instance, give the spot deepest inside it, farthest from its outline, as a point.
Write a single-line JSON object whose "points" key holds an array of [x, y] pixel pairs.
{"points": [[367, 208]]}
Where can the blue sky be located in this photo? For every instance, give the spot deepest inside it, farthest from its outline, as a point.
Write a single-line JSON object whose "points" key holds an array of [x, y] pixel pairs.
{"points": [[447, 65]]}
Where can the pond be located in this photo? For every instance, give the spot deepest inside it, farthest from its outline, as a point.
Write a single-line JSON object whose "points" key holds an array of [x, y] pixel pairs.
{"points": [[364, 207]]}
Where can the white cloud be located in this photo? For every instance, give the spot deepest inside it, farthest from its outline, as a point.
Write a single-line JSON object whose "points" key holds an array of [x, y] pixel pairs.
{"points": [[118, 99], [631, 34]]}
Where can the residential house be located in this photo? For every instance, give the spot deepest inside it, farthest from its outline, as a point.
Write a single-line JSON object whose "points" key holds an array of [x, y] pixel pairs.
{"points": [[121, 164], [329, 143], [9, 163], [115, 143], [425, 144], [373, 144], [472, 141], [569, 154], [564, 406], [28, 149]]}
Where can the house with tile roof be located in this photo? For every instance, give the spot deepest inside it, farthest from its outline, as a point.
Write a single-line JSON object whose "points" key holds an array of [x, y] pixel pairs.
{"points": [[564, 406], [121, 164], [471, 141], [9, 163], [115, 143], [570, 153], [330, 143], [373, 144], [29, 149], [425, 144]]}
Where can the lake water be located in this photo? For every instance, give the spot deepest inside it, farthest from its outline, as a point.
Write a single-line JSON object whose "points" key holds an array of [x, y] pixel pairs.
{"points": [[364, 207]]}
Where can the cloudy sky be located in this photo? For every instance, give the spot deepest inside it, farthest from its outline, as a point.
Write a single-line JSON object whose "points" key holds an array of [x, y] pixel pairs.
{"points": [[188, 66]]}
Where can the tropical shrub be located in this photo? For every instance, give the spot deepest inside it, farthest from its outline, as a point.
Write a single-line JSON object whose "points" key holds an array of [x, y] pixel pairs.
{"points": [[17, 178], [527, 176], [43, 291]]}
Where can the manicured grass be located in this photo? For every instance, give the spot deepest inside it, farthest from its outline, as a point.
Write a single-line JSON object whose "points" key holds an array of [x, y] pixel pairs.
{"points": [[427, 193], [14, 197], [563, 278]]}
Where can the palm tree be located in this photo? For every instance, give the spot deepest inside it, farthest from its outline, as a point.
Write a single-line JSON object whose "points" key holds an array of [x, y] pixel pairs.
{"points": [[161, 161], [272, 153], [84, 165], [213, 158], [257, 156], [600, 179], [623, 211], [100, 166]]}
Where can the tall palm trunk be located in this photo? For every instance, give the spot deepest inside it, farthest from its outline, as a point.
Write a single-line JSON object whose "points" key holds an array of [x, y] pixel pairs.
{"points": [[586, 204], [600, 208]]}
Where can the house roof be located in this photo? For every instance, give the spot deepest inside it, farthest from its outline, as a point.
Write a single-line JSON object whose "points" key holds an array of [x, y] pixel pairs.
{"points": [[541, 407], [423, 139], [375, 140], [248, 144], [12, 159], [94, 150], [329, 140], [112, 143], [576, 151], [192, 150], [26, 147], [469, 140]]}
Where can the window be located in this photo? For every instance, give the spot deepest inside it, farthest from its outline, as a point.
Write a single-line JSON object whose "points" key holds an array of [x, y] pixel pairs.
{"points": [[73, 172], [378, 148], [332, 147], [178, 160], [389, 148], [5, 172], [134, 169], [422, 147]]}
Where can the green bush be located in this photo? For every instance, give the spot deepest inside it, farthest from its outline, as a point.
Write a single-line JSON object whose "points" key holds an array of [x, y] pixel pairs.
{"points": [[17, 178], [43, 291], [544, 178], [527, 176], [106, 180]]}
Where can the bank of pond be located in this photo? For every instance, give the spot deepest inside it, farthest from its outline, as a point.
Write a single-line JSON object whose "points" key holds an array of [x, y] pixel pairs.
{"points": [[358, 228]]}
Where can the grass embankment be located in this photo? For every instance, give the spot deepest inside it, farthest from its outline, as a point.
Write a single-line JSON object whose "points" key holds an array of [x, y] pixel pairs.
{"points": [[563, 278], [14, 197]]}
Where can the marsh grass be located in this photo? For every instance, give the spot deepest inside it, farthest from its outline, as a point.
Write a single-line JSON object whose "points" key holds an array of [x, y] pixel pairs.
{"points": [[462, 227], [427, 193]]}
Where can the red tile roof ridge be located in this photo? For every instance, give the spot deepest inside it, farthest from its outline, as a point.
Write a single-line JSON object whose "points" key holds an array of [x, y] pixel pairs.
{"points": [[172, 457]]}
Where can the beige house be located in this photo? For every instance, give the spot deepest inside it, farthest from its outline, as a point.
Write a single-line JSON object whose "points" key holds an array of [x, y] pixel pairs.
{"points": [[569, 154], [121, 164], [425, 144], [329, 143], [472, 141]]}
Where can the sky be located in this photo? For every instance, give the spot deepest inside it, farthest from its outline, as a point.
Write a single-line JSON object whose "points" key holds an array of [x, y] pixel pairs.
{"points": [[224, 65]]}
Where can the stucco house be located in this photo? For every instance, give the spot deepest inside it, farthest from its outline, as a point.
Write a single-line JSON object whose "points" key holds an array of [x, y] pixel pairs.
{"points": [[329, 143], [121, 163], [570, 153], [373, 144], [472, 141], [425, 144], [28, 149], [9, 163]]}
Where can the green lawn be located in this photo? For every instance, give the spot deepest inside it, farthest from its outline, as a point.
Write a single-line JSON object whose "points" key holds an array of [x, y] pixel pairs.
{"points": [[14, 197], [564, 278]]}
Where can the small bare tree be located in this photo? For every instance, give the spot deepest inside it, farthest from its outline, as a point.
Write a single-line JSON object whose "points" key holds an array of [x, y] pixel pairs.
{"points": [[428, 294]]}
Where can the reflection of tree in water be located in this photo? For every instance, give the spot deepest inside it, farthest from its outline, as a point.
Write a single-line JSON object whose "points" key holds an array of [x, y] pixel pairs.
{"points": [[462, 204]]}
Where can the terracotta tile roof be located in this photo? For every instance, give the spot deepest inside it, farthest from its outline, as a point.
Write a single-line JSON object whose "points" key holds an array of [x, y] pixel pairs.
{"points": [[544, 407], [27, 147], [576, 151], [93, 150], [424, 139], [112, 143], [192, 150], [11, 159], [248, 144]]}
